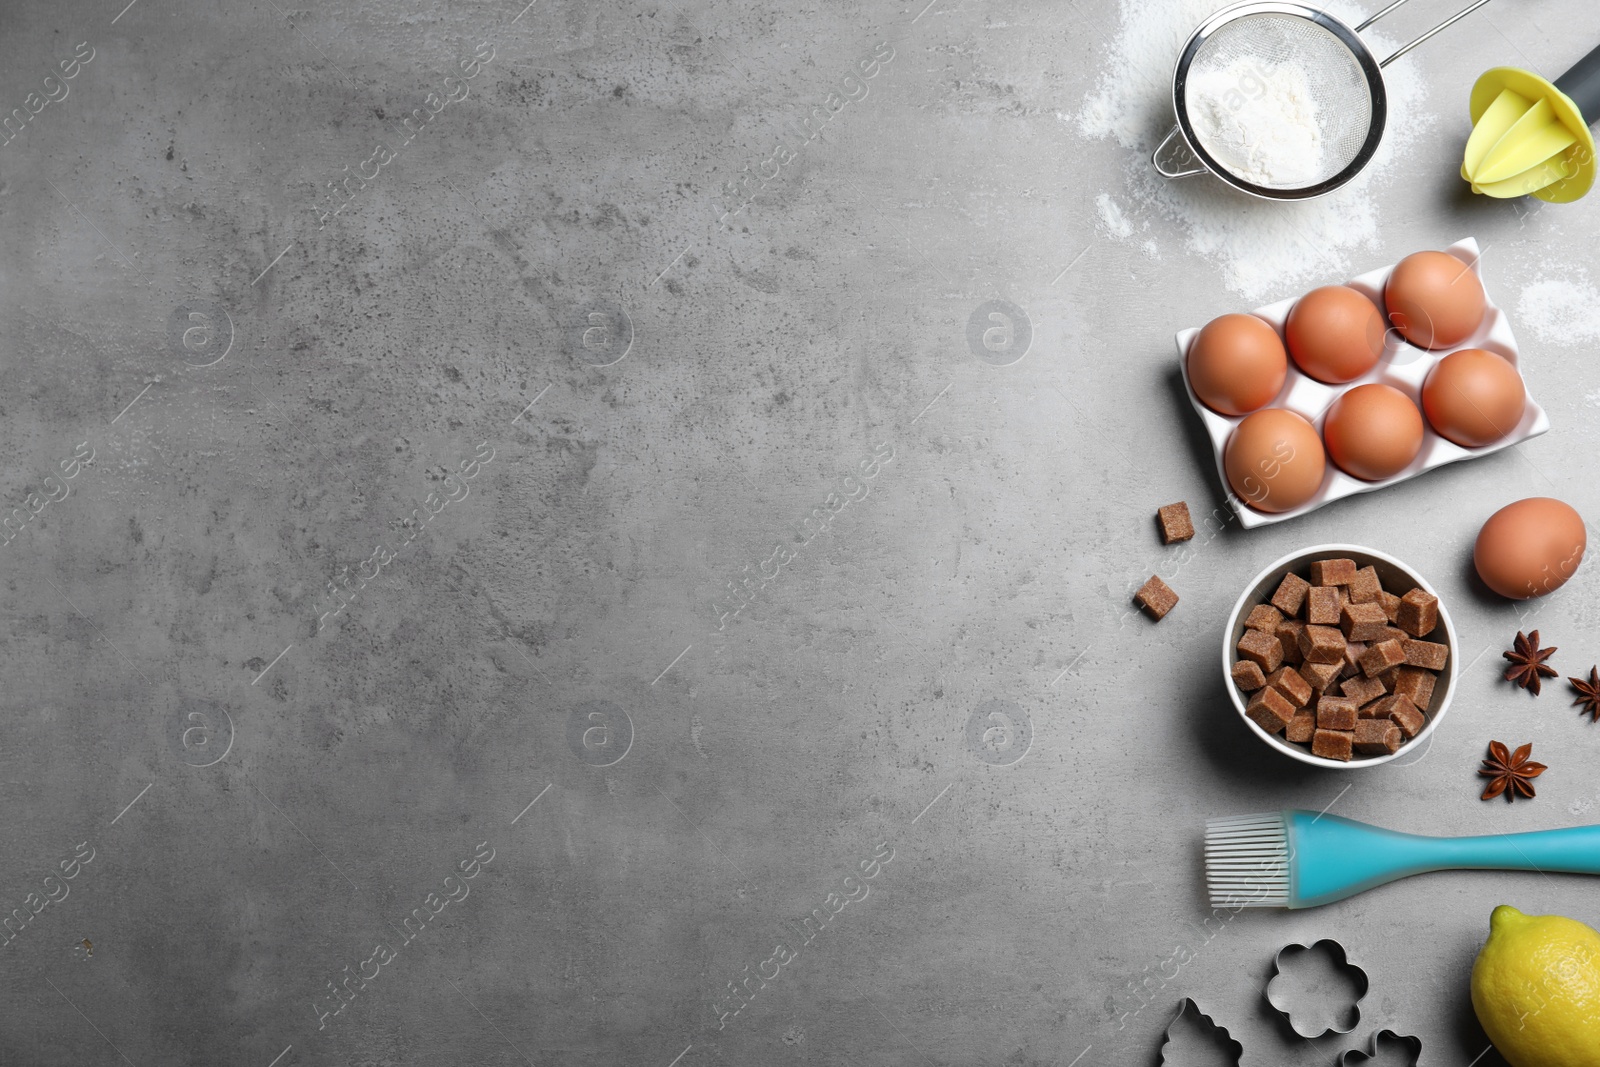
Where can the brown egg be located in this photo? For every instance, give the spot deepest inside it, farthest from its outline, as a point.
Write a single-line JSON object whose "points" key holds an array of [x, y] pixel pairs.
{"points": [[1274, 460], [1237, 364], [1530, 548], [1335, 334], [1474, 397], [1434, 299], [1373, 432]]}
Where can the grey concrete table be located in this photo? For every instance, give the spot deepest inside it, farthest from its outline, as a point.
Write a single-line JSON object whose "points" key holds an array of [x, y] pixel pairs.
{"points": [[574, 567]]}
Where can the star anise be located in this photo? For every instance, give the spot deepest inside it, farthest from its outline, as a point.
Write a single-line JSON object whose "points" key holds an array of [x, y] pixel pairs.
{"points": [[1588, 694], [1528, 662], [1512, 772]]}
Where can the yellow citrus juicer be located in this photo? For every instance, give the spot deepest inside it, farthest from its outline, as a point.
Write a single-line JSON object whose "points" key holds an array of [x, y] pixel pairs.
{"points": [[1531, 136]]}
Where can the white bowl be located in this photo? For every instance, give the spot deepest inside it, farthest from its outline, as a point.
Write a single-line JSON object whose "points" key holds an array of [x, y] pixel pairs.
{"points": [[1395, 576], [1403, 366]]}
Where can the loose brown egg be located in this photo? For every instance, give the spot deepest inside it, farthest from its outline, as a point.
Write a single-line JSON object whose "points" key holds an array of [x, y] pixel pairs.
{"points": [[1335, 334], [1434, 299], [1373, 432], [1474, 397], [1530, 548], [1274, 460], [1237, 364]]}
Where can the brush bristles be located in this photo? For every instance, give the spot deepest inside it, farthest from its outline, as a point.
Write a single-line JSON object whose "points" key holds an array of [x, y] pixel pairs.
{"points": [[1247, 861]]}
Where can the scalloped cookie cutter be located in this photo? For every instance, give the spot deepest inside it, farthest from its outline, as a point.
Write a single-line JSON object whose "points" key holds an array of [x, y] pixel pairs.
{"points": [[1408, 1046], [1202, 1022], [1284, 1002]]}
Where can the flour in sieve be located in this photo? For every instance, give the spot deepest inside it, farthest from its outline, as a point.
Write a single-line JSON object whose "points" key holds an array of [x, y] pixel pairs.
{"points": [[1258, 121]]}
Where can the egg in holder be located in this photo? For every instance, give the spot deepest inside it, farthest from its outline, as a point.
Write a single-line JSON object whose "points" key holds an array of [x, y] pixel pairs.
{"points": [[1403, 366]]}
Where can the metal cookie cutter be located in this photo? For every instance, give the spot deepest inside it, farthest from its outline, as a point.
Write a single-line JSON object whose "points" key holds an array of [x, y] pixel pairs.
{"points": [[1191, 1017], [1383, 1042], [1285, 999]]}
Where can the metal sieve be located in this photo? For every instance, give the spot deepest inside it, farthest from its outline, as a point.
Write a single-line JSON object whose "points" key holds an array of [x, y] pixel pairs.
{"points": [[1235, 56]]}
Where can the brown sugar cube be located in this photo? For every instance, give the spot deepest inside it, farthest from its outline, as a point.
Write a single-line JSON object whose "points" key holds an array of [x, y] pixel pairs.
{"points": [[1380, 657], [1394, 633], [1336, 713], [1156, 597], [1292, 685], [1247, 675], [1265, 651], [1301, 727], [1362, 622], [1291, 594], [1270, 710], [1390, 602], [1429, 655], [1322, 605], [1289, 632], [1418, 613], [1375, 709], [1361, 689], [1380, 709], [1377, 737], [1408, 717], [1415, 684], [1175, 523], [1333, 571], [1320, 675], [1352, 659], [1322, 644], [1333, 744], [1365, 587], [1264, 617]]}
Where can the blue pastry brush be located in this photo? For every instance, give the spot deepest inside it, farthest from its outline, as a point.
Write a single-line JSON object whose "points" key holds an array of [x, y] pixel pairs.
{"points": [[1299, 859]]}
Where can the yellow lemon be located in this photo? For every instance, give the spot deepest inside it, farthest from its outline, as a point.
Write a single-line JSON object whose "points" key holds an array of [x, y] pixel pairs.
{"points": [[1536, 989]]}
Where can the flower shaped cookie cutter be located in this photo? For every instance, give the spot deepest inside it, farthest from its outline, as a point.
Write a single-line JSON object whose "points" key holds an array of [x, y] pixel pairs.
{"points": [[1339, 976]]}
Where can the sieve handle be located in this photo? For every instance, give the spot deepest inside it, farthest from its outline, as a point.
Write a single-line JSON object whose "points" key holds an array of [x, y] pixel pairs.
{"points": [[1155, 158], [1446, 24], [1379, 15]]}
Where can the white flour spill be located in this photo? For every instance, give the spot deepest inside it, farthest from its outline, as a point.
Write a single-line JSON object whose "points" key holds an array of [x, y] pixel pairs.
{"points": [[1260, 249], [1561, 311], [1271, 136], [1112, 218]]}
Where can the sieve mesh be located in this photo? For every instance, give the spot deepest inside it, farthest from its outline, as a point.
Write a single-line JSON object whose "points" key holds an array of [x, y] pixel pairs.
{"points": [[1278, 101]]}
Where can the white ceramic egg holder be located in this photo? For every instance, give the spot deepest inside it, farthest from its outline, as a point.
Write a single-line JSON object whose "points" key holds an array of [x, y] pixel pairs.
{"points": [[1402, 365]]}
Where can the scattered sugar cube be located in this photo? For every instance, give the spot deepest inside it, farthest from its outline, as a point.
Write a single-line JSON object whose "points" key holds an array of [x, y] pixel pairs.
{"points": [[1175, 523], [1156, 597]]}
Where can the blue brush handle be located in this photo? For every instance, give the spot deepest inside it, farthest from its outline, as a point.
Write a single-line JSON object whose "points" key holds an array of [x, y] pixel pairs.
{"points": [[1574, 850], [1333, 858]]}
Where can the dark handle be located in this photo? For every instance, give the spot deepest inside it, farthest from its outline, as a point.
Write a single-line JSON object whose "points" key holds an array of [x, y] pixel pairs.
{"points": [[1582, 84]]}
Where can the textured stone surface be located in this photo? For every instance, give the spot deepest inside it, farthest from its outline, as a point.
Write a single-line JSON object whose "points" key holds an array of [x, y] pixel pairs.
{"points": [[909, 399]]}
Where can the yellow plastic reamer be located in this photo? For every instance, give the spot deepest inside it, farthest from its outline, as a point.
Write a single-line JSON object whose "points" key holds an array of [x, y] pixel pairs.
{"points": [[1530, 136]]}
